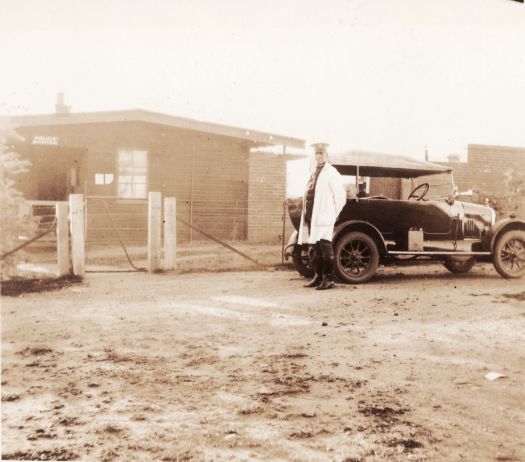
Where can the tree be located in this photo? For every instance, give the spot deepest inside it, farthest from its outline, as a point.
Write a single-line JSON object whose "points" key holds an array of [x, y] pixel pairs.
{"points": [[512, 201], [16, 220], [515, 186]]}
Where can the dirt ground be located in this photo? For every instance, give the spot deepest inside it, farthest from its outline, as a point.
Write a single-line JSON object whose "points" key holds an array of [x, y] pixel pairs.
{"points": [[252, 366]]}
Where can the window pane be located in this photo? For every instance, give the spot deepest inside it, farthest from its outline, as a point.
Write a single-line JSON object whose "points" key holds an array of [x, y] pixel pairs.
{"points": [[125, 158], [140, 158], [125, 190], [132, 169], [99, 178], [139, 170], [126, 170], [139, 179], [108, 178], [139, 191]]}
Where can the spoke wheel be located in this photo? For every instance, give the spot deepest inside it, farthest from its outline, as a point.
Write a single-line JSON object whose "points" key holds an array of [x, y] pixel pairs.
{"points": [[459, 264], [509, 254], [356, 258], [302, 264]]}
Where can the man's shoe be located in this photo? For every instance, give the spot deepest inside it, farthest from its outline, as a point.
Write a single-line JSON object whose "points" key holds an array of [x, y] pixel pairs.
{"points": [[317, 265], [315, 281], [325, 284]]}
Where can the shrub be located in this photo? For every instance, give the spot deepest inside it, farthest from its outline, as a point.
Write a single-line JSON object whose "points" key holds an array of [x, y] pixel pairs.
{"points": [[14, 211], [512, 201]]}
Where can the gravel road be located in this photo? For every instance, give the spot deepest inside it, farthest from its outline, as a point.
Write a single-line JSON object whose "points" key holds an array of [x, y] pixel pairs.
{"points": [[252, 366]]}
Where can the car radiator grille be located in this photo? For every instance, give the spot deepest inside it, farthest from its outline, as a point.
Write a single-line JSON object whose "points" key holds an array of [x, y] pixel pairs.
{"points": [[470, 229]]}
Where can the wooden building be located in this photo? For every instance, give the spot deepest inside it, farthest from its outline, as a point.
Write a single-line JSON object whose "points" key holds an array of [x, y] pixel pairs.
{"points": [[117, 157]]}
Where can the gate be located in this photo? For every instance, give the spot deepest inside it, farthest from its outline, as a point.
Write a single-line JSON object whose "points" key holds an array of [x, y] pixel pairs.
{"points": [[116, 234], [110, 234], [45, 252]]}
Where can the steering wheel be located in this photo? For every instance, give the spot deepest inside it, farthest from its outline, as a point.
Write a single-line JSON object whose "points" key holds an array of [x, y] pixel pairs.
{"points": [[420, 196]]}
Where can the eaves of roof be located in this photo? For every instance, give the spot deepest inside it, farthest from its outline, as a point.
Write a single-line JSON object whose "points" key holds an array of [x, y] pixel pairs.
{"points": [[140, 115]]}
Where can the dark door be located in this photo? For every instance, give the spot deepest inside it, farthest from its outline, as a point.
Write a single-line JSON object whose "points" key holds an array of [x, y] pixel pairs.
{"points": [[53, 174]]}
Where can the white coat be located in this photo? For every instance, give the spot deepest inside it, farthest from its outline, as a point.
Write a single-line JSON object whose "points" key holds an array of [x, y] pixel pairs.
{"points": [[329, 200]]}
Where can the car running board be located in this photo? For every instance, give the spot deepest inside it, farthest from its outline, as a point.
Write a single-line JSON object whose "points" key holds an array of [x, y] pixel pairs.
{"points": [[442, 252]]}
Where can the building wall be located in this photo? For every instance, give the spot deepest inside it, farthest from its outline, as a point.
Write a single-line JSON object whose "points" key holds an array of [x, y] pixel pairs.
{"points": [[208, 174], [485, 171], [388, 187], [486, 167], [266, 195]]}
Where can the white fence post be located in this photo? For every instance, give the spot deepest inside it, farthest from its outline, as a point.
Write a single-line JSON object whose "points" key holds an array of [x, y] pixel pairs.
{"points": [[170, 233], [62, 238], [76, 209], [154, 230]]}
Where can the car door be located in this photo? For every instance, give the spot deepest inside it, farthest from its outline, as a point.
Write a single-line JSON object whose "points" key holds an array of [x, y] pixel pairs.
{"points": [[394, 218]]}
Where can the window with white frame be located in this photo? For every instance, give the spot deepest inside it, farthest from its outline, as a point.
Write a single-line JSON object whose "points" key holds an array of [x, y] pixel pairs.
{"points": [[103, 178], [132, 173]]}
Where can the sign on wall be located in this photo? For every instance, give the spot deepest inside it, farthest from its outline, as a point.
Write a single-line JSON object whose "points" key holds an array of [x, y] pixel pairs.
{"points": [[45, 140]]}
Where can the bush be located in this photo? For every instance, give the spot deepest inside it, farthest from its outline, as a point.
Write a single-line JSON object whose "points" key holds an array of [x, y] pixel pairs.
{"points": [[14, 210], [512, 201]]}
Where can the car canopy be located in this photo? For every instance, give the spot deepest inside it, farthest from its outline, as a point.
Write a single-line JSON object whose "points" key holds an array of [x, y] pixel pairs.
{"points": [[361, 163]]}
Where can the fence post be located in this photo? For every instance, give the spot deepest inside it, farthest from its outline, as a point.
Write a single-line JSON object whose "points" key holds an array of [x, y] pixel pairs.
{"points": [[154, 230], [76, 209], [62, 238], [170, 233]]}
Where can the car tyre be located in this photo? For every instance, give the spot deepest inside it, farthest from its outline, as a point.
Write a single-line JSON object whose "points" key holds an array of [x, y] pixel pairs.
{"points": [[302, 264], [459, 264], [356, 258], [508, 254]]}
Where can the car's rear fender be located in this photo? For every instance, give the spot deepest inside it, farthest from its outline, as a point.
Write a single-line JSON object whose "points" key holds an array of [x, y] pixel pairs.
{"points": [[499, 228], [364, 227], [290, 245]]}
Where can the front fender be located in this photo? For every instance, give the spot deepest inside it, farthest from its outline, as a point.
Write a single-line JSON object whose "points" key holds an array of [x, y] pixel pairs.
{"points": [[363, 226], [500, 227]]}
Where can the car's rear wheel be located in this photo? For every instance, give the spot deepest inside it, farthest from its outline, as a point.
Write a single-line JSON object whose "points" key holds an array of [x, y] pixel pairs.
{"points": [[459, 264], [509, 254], [356, 258], [302, 264]]}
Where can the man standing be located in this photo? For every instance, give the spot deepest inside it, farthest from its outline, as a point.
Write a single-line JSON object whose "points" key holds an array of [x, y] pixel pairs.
{"points": [[323, 200]]}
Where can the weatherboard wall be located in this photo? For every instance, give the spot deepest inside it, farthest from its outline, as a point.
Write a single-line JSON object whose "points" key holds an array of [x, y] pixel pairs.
{"points": [[208, 174]]}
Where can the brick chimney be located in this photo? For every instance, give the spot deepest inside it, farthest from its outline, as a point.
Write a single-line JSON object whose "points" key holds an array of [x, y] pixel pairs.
{"points": [[60, 106]]}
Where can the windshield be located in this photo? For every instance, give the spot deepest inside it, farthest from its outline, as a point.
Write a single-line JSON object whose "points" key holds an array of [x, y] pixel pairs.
{"points": [[439, 186]]}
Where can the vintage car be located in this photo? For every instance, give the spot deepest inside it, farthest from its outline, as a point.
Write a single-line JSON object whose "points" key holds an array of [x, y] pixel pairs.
{"points": [[379, 230]]}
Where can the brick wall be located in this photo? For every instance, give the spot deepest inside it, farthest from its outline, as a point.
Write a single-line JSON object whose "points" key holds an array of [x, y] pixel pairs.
{"points": [[266, 194], [486, 166], [484, 172]]}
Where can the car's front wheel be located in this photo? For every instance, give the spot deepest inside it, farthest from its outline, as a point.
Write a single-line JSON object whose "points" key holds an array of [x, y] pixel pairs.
{"points": [[459, 264], [356, 258], [509, 254]]}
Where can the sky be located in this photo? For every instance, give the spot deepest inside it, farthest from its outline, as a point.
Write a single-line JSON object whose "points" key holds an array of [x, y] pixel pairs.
{"points": [[391, 76]]}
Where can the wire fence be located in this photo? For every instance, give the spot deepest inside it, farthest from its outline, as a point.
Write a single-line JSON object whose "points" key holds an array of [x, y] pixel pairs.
{"points": [[259, 235], [35, 254], [210, 236]]}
